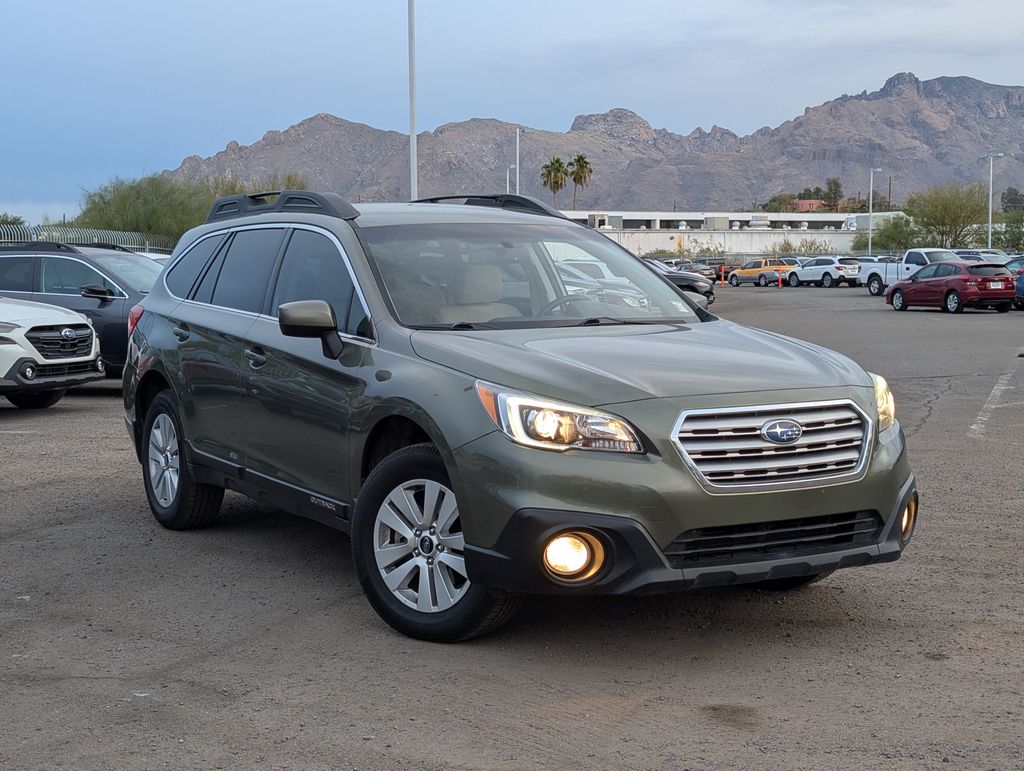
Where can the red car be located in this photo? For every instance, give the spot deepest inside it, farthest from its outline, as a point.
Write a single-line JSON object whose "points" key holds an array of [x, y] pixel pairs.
{"points": [[954, 286]]}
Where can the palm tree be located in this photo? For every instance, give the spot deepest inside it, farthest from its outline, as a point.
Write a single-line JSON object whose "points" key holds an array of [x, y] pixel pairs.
{"points": [[580, 172], [554, 175]]}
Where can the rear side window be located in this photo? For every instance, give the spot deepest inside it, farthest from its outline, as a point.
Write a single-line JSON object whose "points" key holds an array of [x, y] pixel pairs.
{"points": [[16, 274], [182, 277], [988, 270], [313, 269], [245, 272]]}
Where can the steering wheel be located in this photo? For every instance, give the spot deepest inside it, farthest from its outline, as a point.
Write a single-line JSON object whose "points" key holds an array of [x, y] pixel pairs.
{"points": [[556, 303]]}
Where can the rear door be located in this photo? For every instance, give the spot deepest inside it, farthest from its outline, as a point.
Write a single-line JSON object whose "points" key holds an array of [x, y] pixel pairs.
{"points": [[60, 281], [299, 401], [17, 276], [210, 328]]}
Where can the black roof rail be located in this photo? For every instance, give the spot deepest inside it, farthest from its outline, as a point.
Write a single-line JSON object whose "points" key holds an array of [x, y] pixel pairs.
{"points": [[302, 201], [105, 245], [39, 246], [510, 201]]}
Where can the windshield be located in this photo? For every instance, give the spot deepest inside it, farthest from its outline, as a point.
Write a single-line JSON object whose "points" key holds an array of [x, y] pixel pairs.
{"points": [[138, 272], [497, 275], [988, 270], [943, 255]]}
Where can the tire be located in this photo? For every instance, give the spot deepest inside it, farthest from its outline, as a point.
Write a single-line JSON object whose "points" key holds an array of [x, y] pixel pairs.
{"points": [[465, 610], [762, 280], [952, 303], [875, 286], [36, 400], [734, 280], [854, 282], [899, 302], [1018, 304], [827, 281], [177, 501], [794, 280], [1003, 308], [791, 583]]}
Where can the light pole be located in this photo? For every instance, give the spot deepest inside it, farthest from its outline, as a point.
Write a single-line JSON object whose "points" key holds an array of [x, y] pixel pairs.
{"points": [[871, 205], [508, 183], [412, 100], [517, 161], [991, 159]]}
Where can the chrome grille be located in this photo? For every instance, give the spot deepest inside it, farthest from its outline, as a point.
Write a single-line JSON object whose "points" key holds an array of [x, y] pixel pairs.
{"points": [[51, 344], [725, 448]]}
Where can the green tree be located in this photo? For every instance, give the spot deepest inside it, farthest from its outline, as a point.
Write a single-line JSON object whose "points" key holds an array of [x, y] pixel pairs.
{"points": [[11, 219], [554, 175], [781, 202], [1011, 200], [893, 234], [580, 172], [1011, 237], [162, 205], [948, 214], [833, 193]]}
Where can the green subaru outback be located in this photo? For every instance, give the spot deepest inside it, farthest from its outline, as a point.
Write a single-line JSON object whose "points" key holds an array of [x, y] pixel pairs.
{"points": [[419, 375]]}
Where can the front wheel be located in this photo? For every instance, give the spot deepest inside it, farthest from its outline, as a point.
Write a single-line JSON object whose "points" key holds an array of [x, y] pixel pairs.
{"points": [[762, 280], [176, 499], [408, 548], [899, 302], [827, 281], [36, 400], [953, 304], [734, 280], [794, 279], [875, 286]]}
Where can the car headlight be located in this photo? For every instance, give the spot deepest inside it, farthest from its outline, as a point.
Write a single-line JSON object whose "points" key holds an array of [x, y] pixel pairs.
{"points": [[5, 327], [536, 422], [884, 402]]}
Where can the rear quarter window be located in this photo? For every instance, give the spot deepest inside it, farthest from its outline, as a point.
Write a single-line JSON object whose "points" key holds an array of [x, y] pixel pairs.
{"points": [[182, 276]]}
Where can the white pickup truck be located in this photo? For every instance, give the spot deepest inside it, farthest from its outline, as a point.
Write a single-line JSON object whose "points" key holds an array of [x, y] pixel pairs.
{"points": [[878, 275]]}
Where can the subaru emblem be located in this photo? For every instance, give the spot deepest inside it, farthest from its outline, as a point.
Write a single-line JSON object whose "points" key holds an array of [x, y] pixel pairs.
{"points": [[67, 333], [781, 431]]}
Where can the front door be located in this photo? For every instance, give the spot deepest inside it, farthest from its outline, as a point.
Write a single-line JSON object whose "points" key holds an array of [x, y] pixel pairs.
{"points": [[299, 401]]}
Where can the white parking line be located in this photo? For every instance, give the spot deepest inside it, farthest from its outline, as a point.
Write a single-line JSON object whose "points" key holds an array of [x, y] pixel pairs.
{"points": [[4, 431], [977, 429]]}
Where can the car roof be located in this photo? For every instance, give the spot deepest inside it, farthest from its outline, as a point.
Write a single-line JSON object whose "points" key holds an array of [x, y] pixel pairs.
{"points": [[378, 214]]}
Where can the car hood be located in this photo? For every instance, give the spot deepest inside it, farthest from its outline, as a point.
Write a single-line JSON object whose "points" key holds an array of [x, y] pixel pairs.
{"points": [[25, 313], [620, 363]]}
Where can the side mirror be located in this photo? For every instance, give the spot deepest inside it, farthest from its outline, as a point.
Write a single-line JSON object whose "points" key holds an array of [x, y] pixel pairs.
{"points": [[699, 299], [95, 291], [311, 318]]}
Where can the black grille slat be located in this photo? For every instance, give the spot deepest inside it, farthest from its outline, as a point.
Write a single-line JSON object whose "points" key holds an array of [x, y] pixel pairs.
{"points": [[51, 344], [59, 370], [793, 538]]}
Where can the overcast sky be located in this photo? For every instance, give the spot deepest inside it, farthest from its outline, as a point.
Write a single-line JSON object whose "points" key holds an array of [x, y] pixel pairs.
{"points": [[95, 89]]}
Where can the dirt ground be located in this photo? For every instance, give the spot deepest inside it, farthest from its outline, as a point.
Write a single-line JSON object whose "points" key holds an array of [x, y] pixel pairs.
{"points": [[249, 645]]}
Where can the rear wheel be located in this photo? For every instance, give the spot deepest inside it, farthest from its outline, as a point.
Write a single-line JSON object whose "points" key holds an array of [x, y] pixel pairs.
{"points": [[899, 302], [953, 303], [875, 286], [791, 583], [794, 279], [827, 281], [177, 501], [36, 400], [1003, 307], [762, 280], [408, 548], [734, 280], [854, 282]]}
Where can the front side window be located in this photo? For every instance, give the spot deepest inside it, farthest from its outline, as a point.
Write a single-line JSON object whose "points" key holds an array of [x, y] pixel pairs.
{"points": [[16, 274], [752, 265], [59, 275], [507, 275], [245, 272], [924, 273], [313, 269]]}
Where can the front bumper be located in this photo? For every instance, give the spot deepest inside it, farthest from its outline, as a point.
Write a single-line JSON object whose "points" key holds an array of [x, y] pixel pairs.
{"points": [[53, 375], [635, 565]]}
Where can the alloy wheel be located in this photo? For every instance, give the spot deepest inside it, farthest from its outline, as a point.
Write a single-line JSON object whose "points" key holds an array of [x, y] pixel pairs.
{"points": [[418, 546], [164, 460]]}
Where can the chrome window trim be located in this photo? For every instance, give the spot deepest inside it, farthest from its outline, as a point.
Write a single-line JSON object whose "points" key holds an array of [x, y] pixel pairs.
{"points": [[846, 477], [124, 295], [278, 226]]}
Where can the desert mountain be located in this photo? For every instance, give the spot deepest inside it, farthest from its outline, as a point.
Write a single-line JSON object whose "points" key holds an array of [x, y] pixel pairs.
{"points": [[921, 132]]}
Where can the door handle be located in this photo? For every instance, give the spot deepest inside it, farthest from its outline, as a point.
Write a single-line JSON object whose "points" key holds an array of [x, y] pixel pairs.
{"points": [[180, 331], [256, 356]]}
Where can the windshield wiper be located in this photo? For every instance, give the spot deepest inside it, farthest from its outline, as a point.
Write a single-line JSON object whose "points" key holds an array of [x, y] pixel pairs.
{"points": [[594, 321], [467, 325]]}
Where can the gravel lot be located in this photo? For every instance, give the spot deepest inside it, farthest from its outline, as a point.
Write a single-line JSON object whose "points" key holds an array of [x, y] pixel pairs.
{"points": [[123, 645]]}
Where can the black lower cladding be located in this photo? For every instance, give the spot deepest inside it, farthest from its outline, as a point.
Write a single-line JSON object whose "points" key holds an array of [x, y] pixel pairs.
{"points": [[773, 540], [48, 377]]}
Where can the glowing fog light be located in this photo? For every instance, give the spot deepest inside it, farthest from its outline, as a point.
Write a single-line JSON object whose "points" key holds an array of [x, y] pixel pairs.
{"points": [[908, 521], [573, 556]]}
